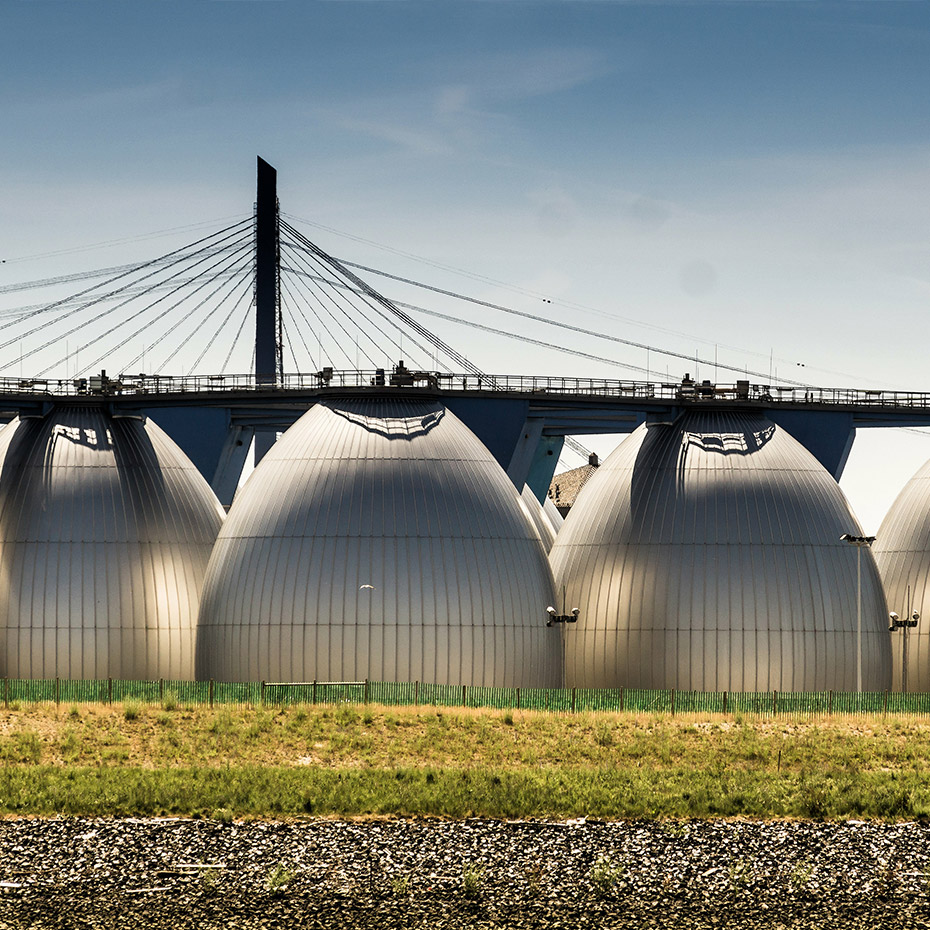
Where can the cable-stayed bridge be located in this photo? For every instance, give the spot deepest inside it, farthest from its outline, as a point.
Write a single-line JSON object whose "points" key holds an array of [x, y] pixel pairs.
{"points": [[258, 296]]}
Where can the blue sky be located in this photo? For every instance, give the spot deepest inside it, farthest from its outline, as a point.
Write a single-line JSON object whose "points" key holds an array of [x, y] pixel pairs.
{"points": [[749, 178]]}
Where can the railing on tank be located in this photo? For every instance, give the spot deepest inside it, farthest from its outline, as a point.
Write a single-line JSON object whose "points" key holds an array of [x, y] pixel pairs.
{"points": [[18, 692]]}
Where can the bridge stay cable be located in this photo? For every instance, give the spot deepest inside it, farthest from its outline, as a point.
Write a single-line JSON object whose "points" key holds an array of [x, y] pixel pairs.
{"points": [[170, 259], [245, 319], [336, 288], [312, 303], [98, 299], [568, 326], [330, 305], [222, 275], [328, 299], [288, 301], [244, 277], [387, 303], [247, 280], [206, 279]]}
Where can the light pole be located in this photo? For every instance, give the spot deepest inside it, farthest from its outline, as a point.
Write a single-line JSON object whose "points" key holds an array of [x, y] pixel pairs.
{"points": [[858, 542], [910, 620]]}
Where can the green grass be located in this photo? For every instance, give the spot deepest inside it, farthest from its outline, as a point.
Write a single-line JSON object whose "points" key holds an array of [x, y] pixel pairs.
{"points": [[602, 793], [375, 761]]}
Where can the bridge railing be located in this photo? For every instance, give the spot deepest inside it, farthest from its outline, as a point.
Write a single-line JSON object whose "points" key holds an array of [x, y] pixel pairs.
{"points": [[125, 385]]}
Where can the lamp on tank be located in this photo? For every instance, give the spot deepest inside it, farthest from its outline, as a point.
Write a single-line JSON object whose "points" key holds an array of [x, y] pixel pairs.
{"points": [[906, 624], [858, 542], [563, 617]]}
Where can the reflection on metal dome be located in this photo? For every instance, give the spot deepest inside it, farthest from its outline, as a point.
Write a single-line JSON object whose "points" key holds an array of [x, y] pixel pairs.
{"points": [[902, 553], [705, 555], [379, 539], [105, 532]]}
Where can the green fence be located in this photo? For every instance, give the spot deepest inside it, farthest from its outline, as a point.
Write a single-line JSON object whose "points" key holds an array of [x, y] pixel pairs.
{"points": [[771, 703]]}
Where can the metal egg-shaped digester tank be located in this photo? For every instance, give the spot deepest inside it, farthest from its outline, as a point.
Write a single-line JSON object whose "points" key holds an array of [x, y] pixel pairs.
{"points": [[379, 539], [106, 528], [902, 553], [705, 554]]}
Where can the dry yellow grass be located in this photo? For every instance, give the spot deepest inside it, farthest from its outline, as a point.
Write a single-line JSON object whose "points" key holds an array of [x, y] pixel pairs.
{"points": [[351, 737]]}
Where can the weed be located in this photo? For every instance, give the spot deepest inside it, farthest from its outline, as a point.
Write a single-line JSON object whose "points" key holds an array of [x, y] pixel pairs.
{"points": [[164, 719], [740, 873], [400, 885], [223, 724], [278, 879], [814, 800], [368, 717], [604, 736], [508, 719], [605, 875], [223, 815], [69, 746], [131, 710], [74, 713], [170, 701], [24, 746], [345, 716], [535, 873], [210, 880], [472, 876], [799, 878]]}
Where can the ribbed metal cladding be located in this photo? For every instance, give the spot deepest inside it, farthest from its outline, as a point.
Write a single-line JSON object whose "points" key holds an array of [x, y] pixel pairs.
{"points": [[705, 555], [379, 539], [541, 517], [902, 553], [105, 532]]}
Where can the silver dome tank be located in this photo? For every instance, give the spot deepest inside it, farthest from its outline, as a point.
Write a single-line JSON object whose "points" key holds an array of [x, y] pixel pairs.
{"points": [[902, 553], [705, 554], [105, 532], [379, 539]]}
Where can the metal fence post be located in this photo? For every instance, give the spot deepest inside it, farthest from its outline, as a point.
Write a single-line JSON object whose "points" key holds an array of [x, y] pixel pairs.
{"points": [[263, 692], [573, 700], [464, 701], [621, 699], [210, 692], [830, 704], [314, 691], [774, 703], [109, 691], [57, 691], [161, 689], [724, 701], [416, 694], [366, 690], [518, 698]]}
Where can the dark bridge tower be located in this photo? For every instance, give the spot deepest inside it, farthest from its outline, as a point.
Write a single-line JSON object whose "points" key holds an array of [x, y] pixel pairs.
{"points": [[269, 357]]}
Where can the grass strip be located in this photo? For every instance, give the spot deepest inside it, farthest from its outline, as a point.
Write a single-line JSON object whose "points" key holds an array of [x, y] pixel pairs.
{"points": [[263, 791]]}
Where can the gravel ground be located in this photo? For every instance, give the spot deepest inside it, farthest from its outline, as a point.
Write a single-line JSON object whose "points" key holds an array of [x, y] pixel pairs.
{"points": [[473, 874]]}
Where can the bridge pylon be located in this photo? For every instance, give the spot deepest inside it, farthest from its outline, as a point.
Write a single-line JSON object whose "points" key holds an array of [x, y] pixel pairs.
{"points": [[269, 343]]}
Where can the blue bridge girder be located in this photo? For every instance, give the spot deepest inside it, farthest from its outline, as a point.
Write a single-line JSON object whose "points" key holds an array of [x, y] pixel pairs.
{"points": [[521, 419]]}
